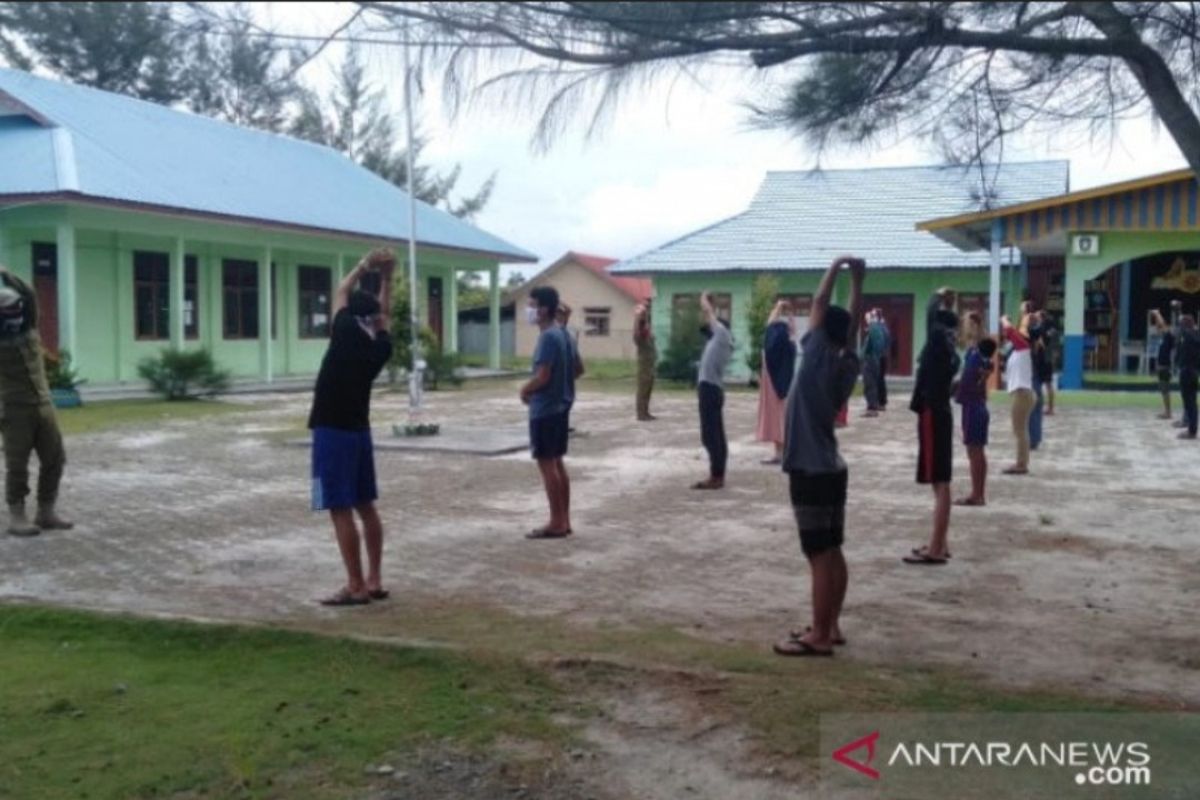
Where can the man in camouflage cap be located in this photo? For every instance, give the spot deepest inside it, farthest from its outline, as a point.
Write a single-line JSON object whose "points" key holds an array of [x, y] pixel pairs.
{"points": [[27, 421]]}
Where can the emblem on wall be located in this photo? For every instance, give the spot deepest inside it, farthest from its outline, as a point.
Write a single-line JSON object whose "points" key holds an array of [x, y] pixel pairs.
{"points": [[1179, 278]]}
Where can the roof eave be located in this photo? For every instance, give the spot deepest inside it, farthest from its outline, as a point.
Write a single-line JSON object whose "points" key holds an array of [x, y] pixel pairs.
{"points": [[81, 198]]}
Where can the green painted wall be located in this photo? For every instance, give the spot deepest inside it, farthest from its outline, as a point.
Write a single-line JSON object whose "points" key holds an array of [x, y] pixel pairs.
{"points": [[107, 349], [1115, 248], [921, 284]]}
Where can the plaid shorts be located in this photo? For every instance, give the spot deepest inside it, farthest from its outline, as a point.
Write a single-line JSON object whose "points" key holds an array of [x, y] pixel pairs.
{"points": [[819, 503]]}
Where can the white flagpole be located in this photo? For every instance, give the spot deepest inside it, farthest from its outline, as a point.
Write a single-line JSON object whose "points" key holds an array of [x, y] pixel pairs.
{"points": [[416, 378]]}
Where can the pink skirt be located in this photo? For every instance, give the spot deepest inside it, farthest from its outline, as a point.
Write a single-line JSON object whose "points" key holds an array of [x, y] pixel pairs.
{"points": [[770, 409]]}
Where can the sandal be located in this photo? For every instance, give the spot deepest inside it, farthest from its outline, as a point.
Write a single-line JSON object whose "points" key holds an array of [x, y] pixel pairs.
{"points": [[344, 598], [546, 533], [709, 484], [1016, 471], [923, 558], [916, 551], [378, 594], [797, 635], [969, 501], [798, 647]]}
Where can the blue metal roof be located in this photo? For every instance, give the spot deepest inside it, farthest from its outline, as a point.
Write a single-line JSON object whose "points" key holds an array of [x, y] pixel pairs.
{"points": [[802, 220], [59, 137]]}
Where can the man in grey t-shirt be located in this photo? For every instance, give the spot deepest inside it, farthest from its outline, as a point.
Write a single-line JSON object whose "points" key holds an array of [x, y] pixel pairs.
{"points": [[711, 393], [816, 471]]}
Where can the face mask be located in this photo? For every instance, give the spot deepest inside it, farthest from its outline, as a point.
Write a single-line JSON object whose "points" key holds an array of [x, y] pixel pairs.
{"points": [[12, 320], [531, 315]]}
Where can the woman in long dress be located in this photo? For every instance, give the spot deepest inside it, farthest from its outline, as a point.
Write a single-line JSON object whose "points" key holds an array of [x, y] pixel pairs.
{"points": [[778, 367]]}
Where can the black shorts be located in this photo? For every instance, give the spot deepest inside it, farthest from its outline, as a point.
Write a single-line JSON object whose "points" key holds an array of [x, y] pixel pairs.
{"points": [[935, 437], [548, 436], [819, 503], [1164, 378]]}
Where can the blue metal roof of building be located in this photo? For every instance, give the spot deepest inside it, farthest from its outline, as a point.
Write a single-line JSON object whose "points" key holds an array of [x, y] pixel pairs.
{"points": [[62, 139], [802, 220]]}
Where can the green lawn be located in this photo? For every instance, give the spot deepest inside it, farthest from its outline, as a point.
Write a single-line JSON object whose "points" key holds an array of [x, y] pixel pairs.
{"points": [[97, 706], [107, 707], [98, 416]]}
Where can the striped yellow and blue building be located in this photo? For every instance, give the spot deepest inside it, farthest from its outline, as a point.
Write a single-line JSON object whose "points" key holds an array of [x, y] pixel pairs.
{"points": [[1106, 256]]}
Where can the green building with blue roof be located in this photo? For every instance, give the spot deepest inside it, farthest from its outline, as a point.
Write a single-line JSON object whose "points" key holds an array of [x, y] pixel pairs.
{"points": [[800, 220], [142, 227]]}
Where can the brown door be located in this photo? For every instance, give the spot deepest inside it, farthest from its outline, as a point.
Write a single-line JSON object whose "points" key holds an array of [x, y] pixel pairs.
{"points": [[898, 313], [435, 308], [45, 286]]}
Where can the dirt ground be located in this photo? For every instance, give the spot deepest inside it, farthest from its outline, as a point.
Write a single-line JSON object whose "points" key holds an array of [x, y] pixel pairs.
{"points": [[1084, 574]]}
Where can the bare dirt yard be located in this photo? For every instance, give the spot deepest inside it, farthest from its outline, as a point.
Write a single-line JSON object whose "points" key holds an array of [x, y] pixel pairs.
{"points": [[1083, 576]]}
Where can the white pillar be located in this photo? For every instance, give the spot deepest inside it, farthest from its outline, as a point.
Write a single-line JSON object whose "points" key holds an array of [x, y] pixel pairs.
{"points": [[175, 294], [450, 312], [264, 315], [67, 287], [994, 277], [494, 317]]}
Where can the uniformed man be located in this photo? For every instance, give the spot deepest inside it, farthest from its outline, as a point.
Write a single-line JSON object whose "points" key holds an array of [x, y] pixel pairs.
{"points": [[647, 359], [27, 420]]}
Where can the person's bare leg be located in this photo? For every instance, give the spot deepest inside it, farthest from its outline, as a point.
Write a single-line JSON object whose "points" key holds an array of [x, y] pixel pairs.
{"points": [[980, 466], [347, 540], [978, 462], [1050, 398], [373, 539], [841, 576], [825, 583], [941, 521], [549, 471], [564, 483], [1166, 396]]}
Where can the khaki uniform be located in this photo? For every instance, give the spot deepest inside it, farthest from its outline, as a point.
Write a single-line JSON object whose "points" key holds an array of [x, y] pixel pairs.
{"points": [[647, 360], [27, 420]]}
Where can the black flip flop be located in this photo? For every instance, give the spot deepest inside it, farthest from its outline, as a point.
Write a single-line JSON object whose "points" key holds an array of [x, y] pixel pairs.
{"points": [[379, 594], [924, 559], [917, 551], [546, 533], [796, 635], [344, 598], [797, 648]]}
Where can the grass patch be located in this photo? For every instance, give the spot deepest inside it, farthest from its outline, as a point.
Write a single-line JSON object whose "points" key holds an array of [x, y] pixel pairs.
{"points": [[780, 700], [106, 414], [111, 707]]}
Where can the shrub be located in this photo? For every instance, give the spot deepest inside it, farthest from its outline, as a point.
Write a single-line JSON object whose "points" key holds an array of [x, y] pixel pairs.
{"points": [[679, 359], [762, 300], [184, 374], [60, 372], [440, 367]]}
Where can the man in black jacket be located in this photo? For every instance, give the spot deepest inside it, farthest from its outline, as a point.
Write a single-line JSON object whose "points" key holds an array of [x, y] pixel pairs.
{"points": [[343, 459], [936, 368], [1187, 356]]}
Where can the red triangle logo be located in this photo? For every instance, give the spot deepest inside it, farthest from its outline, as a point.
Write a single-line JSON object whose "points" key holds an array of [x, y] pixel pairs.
{"points": [[841, 755]]}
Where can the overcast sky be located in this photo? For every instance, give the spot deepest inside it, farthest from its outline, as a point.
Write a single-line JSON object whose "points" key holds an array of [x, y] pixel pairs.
{"points": [[676, 157]]}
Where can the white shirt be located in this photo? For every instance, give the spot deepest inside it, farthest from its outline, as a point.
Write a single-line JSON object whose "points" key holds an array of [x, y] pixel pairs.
{"points": [[1019, 372]]}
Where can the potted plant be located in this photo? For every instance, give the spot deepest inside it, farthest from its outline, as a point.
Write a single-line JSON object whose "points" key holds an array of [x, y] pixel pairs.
{"points": [[64, 380]]}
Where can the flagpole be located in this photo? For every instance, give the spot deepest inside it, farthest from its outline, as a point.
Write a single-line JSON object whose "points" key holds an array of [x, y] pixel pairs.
{"points": [[416, 378]]}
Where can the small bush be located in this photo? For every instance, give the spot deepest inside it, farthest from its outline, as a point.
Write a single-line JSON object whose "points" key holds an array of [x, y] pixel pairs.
{"points": [[184, 374], [762, 300], [680, 358], [60, 372], [440, 367]]}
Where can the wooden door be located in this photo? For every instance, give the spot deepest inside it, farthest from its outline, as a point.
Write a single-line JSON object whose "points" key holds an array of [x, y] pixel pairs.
{"points": [[898, 313], [435, 308], [45, 286]]}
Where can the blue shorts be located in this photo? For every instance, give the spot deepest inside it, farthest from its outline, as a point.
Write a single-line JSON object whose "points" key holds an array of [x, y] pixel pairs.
{"points": [[975, 419], [548, 436], [343, 469]]}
